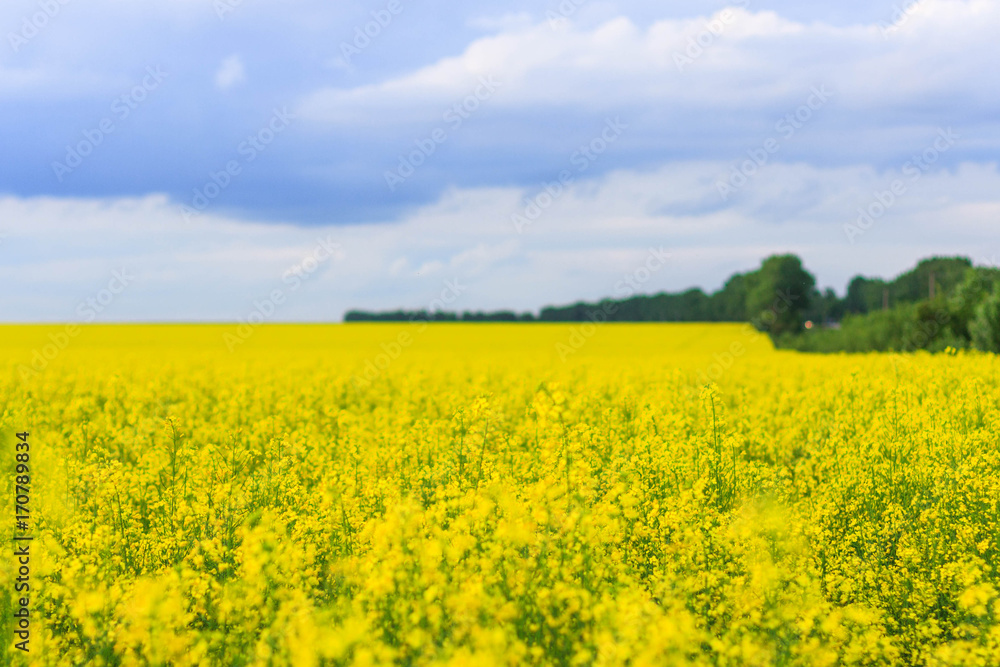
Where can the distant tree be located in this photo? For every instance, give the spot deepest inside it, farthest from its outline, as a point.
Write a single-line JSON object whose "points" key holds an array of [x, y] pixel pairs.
{"points": [[864, 295], [781, 292], [825, 307], [914, 285], [985, 328], [979, 283], [730, 303], [778, 298]]}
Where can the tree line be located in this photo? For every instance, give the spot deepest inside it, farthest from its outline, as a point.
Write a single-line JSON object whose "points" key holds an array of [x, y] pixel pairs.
{"points": [[942, 302]]}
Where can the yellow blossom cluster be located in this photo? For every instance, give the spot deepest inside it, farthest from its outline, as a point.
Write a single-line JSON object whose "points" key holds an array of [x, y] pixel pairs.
{"points": [[666, 495]]}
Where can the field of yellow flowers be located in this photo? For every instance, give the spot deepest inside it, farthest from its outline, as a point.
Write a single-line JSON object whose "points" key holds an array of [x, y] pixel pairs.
{"points": [[498, 495]]}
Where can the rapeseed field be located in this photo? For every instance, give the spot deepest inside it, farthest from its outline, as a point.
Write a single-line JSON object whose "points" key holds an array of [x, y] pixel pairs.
{"points": [[498, 495]]}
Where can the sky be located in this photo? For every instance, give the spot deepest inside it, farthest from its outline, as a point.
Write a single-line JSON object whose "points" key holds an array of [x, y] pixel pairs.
{"points": [[204, 160]]}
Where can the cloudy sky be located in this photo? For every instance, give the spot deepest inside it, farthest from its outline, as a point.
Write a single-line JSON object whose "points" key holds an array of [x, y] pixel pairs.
{"points": [[197, 157]]}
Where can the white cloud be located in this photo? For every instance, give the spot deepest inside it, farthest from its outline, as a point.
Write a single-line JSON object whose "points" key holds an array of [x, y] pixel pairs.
{"points": [[58, 251], [230, 73], [744, 61], [891, 92]]}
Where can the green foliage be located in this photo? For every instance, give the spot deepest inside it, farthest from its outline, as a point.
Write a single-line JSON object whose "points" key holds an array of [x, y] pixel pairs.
{"points": [[948, 273], [865, 295], [692, 305], [979, 283], [825, 307], [730, 303], [780, 296], [779, 293], [960, 317], [985, 328]]}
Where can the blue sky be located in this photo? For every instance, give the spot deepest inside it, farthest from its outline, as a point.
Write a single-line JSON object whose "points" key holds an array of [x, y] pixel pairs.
{"points": [[209, 148]]}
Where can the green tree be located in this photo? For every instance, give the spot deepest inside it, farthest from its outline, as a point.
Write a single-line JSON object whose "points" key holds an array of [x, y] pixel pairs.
{"points": [[977, 286], [985, 328], [729, 304], [778, 295], [914, 285], [864, 295]]}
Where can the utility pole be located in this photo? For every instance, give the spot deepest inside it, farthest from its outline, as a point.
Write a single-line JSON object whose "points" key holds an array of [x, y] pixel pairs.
{"points": [[931, 289], [885, 298]]}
